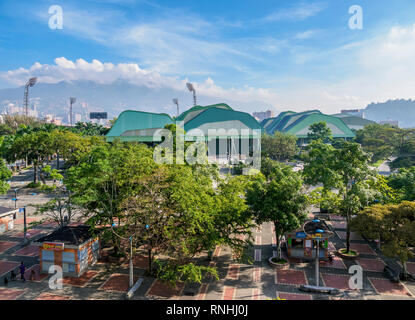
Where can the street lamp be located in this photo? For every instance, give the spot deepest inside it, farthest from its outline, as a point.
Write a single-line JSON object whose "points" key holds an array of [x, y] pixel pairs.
{"points": [[315, 230], [71, 102], [30, 83], [192, 89], [176, 102]]}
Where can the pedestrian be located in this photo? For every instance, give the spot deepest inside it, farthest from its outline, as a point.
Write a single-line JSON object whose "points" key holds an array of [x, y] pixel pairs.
{"points": [[12, 275], [22, 270]]}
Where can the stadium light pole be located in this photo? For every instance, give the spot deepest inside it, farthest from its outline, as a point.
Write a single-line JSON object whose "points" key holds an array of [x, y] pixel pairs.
{"points": [[30, 83], [176, 102], [71, 102], [192, 89]]}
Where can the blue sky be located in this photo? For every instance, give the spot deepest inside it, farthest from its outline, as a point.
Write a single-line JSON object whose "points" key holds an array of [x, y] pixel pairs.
{"points": [[285, 53]]}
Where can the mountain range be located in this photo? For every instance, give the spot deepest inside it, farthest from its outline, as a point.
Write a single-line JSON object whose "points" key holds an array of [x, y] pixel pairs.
{"points": [[53, 98]]}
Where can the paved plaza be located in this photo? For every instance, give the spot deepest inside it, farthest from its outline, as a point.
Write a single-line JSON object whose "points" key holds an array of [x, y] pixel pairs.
{"points": [[245, 281]]}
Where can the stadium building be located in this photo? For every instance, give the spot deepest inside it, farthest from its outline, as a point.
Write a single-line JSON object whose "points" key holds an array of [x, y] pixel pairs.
{"points": [[353, 122], [298, 124], [228, 133]]}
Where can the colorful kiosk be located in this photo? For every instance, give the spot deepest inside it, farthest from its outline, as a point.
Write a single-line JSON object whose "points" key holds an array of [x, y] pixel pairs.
{"points": [[73, 248], [302, 244]]}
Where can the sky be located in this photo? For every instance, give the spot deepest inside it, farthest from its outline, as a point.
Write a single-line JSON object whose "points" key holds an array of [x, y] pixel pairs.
{"points": [[287, 54]]}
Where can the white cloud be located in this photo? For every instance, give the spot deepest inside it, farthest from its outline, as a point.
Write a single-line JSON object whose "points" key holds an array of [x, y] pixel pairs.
{"points": [[106, 73], [299, 12]]}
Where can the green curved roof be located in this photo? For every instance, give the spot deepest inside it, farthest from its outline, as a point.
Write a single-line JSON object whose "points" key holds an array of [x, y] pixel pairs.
{"points": [[298, 124], [286, 118], [353, 122], [134, 125], [194, 111], [226, 118]]}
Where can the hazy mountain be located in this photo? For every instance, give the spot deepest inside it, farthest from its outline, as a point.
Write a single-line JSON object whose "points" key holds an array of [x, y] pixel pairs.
{"points": [[113, 98], [400, 110]]}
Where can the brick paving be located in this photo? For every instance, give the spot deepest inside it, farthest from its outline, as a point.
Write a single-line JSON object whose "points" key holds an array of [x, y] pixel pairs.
{"points": [[51, 296], [371, 264], [7, 266], [383, 286], [159, 289], [10, 294], [362, 248], [290, 277], [29, 251], [82, 280], [337, 281], [116, 282], [6, 245], [293, 296]]}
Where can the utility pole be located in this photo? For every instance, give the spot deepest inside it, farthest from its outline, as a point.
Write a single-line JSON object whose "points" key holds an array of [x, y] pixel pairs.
{"points": [[131, 263], [25, 241]]}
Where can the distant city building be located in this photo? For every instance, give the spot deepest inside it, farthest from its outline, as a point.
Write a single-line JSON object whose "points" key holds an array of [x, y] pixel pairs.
{"points": [[78, 117], [353, 112], [57, 121], [259, 116], [390, 122]]}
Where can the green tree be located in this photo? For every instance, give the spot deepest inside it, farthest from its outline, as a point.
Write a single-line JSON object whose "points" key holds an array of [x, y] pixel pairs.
{"points": [[5, 174], [104, 177], [394, 224], [280, 199], [404, 183], [319, 131], [345, 170], [280, 146], [35, 147], [60, 208]]}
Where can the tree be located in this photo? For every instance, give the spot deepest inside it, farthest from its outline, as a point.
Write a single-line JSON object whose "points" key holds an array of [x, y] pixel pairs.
{"points": [[346, 170], [319, 131], [176, 213], [392, 223], [104, 177], [278, 198], [404, 183], [5, 174], [60, 209], [34, 146], [280, 146]]}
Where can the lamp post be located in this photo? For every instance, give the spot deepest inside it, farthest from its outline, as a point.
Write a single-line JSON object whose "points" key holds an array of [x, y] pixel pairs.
{"points": [[191, 88], [30, 83], [25, 241], [131, 263], [176, 102], [315, 230]]}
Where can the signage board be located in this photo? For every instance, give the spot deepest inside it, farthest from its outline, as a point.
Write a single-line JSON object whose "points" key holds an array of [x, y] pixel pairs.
{"points": [[300, 235], [56, 246], [98, 115]]}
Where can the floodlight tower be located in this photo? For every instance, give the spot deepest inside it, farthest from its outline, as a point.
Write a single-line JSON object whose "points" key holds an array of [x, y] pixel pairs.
{"points": [[176, 102], [30, 83], [71, 102], [192, 89]]}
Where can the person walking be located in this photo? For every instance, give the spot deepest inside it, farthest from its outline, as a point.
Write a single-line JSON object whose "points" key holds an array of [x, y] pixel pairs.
{"points": [[22, 271]]}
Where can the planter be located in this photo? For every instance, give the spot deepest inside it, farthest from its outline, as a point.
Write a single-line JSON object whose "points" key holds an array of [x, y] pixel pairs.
{"points": [[347, 256], [277, 265]]}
